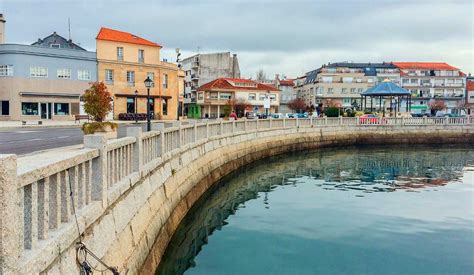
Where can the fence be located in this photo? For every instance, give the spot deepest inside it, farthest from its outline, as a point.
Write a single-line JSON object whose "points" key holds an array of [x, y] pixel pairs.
{"points": [[37, 201]]}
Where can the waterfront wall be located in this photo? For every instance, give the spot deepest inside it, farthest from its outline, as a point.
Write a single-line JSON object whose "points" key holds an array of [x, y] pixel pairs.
{"points": [[130, 194]]}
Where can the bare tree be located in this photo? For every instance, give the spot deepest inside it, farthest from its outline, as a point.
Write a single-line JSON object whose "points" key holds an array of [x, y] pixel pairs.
{"points": [[261, 76]]}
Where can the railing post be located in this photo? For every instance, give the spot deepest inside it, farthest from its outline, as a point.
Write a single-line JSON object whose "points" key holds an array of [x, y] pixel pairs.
{"points": [[256, 124], [297, 122], [11, 228], [207, 129], [221, 127], [340, 120], [402, 121], [311, 120], [325, 120], [137, 152], [159, 127], [233, 126], [284, 122], [270, 123], [195, 132], [245, 125], [99, 167], [445, 120]]}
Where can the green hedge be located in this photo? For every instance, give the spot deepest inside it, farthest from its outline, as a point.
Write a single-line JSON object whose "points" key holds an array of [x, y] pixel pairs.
{"points": [[331, 112]]}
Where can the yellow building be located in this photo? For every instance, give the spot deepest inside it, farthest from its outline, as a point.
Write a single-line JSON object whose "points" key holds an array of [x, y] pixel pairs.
{"points": [[124, 62]]}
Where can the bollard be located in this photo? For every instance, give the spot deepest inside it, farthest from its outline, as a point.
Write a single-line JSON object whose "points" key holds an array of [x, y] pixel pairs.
{"points": [[99, 167]]}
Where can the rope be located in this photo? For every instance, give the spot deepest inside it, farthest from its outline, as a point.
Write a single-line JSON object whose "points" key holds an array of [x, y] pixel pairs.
{"points": [[84, 266]]}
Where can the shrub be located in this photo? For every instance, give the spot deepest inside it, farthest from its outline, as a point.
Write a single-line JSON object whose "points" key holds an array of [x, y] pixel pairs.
{"points": [[331, 112], [91, 128], [97, 101]]}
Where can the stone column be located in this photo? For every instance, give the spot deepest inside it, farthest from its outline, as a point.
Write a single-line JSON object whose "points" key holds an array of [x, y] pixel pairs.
{"points": [[99, 167], [137, 151], [11, 225]]}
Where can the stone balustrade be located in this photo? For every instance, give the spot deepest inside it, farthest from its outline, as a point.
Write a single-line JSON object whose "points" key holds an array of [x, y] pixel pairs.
{"points": [[40, 192]]}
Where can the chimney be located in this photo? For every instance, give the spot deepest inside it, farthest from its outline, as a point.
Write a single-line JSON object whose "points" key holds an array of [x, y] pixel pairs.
{"points": [[2, 29], [235, 67]]}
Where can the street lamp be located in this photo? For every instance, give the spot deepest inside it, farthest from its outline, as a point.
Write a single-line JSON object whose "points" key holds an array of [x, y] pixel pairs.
{"points": [[148, 84], [136, 106]]}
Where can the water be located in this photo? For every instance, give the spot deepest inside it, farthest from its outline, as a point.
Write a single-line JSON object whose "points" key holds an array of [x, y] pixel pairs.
{"points": [[348, 211]]}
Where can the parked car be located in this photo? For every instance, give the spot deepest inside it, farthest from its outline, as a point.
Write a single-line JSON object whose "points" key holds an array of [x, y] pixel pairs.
{"points": [[250, 115], [302, 115], [371, 119], [278, 115], [421, 115], [262, 116], [289, 115]]}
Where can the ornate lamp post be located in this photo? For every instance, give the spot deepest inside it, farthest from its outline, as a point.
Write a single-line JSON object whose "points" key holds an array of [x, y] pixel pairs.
{"points": [[148, 84], [136, 106]]}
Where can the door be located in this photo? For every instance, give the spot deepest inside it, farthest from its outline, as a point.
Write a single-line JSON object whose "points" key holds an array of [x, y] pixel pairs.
{"points": [[46, 109]]}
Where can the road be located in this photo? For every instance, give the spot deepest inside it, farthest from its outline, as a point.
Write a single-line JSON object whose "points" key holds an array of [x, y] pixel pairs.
{"points": [[22, 141]]}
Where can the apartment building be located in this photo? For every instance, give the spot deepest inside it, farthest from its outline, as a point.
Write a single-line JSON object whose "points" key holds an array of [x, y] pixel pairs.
{"points": [[213, 96], [201, 69], [340, 84], [124, 62], [287, 93], [433, 80], [470, 95], [44, 80]]}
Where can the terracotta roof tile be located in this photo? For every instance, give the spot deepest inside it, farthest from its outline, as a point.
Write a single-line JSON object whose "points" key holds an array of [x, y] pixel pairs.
{"points": [[287, 82], [226, 83], [126, 37], [425, 65]]}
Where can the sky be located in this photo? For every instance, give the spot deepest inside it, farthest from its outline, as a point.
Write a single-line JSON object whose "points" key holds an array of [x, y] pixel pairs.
{"points": [[279, 36]]}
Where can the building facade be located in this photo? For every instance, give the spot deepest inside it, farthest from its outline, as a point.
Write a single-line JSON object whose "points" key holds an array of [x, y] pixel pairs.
{"points": [[429, 81], [201, 69], [212, 97], [40, 82], [470, 95], [287, 94], [340, 84], [124, 62]]}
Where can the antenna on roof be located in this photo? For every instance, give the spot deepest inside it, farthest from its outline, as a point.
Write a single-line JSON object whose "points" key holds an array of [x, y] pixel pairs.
{"points": [[69, 26]]}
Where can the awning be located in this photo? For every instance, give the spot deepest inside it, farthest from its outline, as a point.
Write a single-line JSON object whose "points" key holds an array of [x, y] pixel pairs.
{"points": [[50, 94]]}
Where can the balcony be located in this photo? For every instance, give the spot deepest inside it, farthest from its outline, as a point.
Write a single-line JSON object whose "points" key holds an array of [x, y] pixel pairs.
{"points": [[195, 64], [194, 76]]}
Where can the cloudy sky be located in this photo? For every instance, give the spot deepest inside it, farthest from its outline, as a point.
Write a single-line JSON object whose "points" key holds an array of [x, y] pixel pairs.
{"points": [[289, 37]]}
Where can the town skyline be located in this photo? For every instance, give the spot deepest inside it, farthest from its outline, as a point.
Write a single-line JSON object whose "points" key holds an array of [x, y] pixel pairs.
{"points": [[302, 37]]}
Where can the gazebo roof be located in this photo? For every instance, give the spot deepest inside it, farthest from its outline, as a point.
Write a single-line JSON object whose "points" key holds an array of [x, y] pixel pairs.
{"points": [[386, 88]]}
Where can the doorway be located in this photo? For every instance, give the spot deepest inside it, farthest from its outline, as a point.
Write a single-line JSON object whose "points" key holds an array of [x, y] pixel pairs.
{"points": [[46, 110]]}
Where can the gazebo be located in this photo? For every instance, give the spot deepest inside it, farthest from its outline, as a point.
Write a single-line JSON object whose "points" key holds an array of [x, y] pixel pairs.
{"points": [[387, 90]]}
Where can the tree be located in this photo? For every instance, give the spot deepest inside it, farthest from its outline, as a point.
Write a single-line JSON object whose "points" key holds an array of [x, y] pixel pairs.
{"points": [[97, 101], [437, 105], [240, 105], [261, 76], [297, 105]]}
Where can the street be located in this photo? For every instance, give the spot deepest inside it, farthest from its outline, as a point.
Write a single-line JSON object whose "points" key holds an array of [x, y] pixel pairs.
{"points": [[22, 141]]}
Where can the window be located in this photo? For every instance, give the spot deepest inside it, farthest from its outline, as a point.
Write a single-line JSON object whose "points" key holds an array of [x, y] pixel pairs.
{"points": [[353, 90], [6, 70], [413, 81], [252, 96], [225, 96], [119, 53], [151, 75], [262, 96], [344, 90], [5, 108], [165, 106], [273, 97], [200, 96], [165, 81], [131, 78], [330, 90], [141, 56], [38, 72], [29, 108], [405, 80], [109, 76], [347, 79], [64, 73], [327, 79], [130, 105], [83, 74], [61, 109], [370, 80], [214, 95], [56, 46], [359, 91]]}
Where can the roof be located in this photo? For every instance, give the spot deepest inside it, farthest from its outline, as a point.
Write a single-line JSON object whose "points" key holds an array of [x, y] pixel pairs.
{"points": [[55, 40], [383, 65], [386, 88], [126, 37], [226, 83], [425, 66], [470, 85], [287, 82]]}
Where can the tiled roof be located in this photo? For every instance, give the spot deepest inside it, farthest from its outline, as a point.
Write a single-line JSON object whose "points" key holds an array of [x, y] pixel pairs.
{"points": [[383, 65], [287, 82], [226, 83], [425, 65], [126, 37], [470, 85]]}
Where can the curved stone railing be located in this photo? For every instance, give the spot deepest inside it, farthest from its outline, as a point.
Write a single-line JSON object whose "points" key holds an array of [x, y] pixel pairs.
{"points": [[114, 185]]}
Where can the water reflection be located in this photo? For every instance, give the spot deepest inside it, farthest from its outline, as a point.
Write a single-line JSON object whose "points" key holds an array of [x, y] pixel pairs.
{"points": [[296, 210]]}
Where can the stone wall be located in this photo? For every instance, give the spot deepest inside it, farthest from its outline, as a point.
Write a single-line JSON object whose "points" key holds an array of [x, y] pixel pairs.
{"points": [[139, 213]]}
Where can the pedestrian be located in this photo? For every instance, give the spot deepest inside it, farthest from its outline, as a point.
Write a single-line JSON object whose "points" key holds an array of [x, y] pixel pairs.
{"points": [[233, 115]]}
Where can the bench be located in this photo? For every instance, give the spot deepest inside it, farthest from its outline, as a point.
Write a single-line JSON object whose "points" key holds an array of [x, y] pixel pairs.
{"points": [[79, 117], [32, 122]]}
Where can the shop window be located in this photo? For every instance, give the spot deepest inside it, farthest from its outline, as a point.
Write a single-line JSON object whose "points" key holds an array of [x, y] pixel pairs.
{"points": [[5, 108], [130, 105], [61, 109], [29, 108], [165, 106]]}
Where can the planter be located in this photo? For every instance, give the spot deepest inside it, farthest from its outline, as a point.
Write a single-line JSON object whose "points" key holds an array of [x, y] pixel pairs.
{"points": [[108, 129]]}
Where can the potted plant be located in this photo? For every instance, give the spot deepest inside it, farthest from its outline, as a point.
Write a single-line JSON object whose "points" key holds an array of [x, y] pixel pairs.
{"points": [[97, 103]]}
